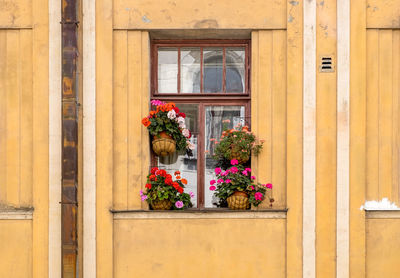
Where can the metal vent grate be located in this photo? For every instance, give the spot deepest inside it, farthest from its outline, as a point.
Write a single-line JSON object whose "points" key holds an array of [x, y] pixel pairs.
{"points": [[326, 64]]}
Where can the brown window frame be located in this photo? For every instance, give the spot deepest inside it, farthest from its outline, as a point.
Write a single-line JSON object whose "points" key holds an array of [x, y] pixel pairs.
{"points": [[155, 44], [202, 99]]}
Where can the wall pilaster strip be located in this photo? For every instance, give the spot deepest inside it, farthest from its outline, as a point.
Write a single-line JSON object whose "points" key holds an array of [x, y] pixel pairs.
{"points": [[89, 139], [309, 138], [54, 139], [358, 104], [343, 139]]}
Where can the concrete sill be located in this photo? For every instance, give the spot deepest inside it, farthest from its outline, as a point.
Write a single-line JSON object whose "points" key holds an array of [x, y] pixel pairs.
{"points": [[382, 214], [200, 214]]}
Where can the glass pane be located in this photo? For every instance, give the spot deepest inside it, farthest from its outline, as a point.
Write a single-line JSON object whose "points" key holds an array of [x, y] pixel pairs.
{"points": [[167, 70], [235, 69], [214, 115], [212, 75], [190, 70], [180, 161]]}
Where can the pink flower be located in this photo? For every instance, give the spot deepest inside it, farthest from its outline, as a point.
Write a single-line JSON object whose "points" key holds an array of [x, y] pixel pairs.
{"points": [[268, 185], [226, 121], [233, 170], [248, 169], [212, 188], [191, 194], [179, 204], [244, 172], [144, 197], [253, 177], [212, 182], [227, 181], [157, 102], [218, 171], [258, 196], [225, 173], [252, 187], [234, 162], [220, 181]]}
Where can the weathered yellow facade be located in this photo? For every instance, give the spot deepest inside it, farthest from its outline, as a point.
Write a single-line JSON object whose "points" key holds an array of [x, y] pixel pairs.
{"points": [[295, 107]]}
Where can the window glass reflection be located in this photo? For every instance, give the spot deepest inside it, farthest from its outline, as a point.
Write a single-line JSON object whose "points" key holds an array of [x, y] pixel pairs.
{"points": [[214, 115], [235, 69], [212, 75], [167, 70], [190, 70]]}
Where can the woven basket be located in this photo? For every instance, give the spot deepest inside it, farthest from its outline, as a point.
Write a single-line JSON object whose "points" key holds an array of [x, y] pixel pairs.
{"points": [[235, 155], [163, 145], [161, 205], [238, 201]]}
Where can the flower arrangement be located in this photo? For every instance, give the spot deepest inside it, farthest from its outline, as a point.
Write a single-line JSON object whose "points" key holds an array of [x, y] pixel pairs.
{"points": [[162, 186], [167, 118], [237, 143], [238, 178]]}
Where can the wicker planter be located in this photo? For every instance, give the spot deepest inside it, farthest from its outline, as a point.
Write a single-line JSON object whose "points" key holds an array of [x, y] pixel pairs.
{"points": [[238, 201], [161, 205], [163, 144], [235, 155]]}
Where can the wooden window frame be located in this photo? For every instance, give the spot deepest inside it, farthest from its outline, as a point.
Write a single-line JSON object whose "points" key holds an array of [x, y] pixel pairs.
{"points": [[155, 44], [202, 99]]}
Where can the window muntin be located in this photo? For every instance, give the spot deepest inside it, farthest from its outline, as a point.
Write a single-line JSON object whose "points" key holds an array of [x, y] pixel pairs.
{"points": [[212, 68]]}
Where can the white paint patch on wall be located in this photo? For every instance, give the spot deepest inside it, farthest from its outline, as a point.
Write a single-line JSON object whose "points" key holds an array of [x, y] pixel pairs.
{"points": [[54, 139], [309, 137], [383, 204], [89, 139]]}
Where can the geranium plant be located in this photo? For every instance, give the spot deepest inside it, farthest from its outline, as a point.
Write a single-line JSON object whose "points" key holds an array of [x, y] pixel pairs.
{"points": [[238, 178], [236, 143], [162, 186], [167, 118]]}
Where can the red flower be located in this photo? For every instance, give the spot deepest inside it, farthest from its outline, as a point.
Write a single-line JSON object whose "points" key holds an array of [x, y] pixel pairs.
{"points": [[152, 177], [176, 109], [153, 170], [183, 115], [148, 185], [180, 190], [177, 173]]}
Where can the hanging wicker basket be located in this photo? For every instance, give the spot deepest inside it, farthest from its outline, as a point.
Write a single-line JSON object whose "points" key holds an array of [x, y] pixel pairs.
{"points": [[235, 154], [163, 144], [161, 205], [238, 201]]}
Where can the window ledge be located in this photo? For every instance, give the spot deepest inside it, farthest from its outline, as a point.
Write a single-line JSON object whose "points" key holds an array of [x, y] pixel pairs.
{"points": [[11, 213], [200, 214], [383, 214]]}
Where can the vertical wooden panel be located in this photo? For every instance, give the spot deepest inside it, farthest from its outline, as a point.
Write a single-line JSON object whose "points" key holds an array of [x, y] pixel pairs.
{"points": [[3, 116], [145, 94], [13, 119], [278, 162], [357, 136], [294, 139], [254, 91], [104, 138], [264, 103], [120, 119], [396, 118], [385, 113], [26, 117], [134, 118], [372, 172]]}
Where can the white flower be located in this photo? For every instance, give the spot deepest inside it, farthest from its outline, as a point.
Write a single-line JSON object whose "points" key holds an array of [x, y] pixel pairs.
{"points": [[180, 120], [186, 132], [190, 145], [171, 114]]}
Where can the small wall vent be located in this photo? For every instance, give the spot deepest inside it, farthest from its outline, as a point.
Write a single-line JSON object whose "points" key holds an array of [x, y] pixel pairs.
{"points": [[326, 64]]}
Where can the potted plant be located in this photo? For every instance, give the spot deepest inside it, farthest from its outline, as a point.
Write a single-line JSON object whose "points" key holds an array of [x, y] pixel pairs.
{"points": [[237, 187], [237, 143], [164, 192], [166, 124]]}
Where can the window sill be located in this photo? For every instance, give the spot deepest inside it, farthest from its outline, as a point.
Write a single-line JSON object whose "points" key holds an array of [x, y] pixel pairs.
{"points": [[200, 214], [382, 214]]}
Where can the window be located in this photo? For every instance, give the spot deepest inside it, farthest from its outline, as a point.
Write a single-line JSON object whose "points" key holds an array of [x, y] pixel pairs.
{"points": [[209, 81]]}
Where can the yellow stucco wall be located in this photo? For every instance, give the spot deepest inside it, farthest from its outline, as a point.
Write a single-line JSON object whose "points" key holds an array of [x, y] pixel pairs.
{"points": [[199, 248]]}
